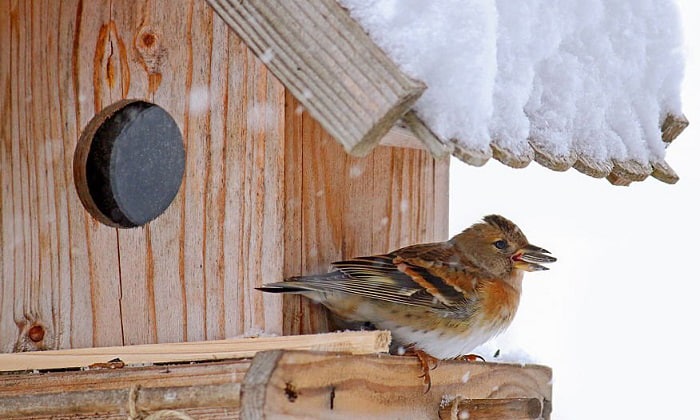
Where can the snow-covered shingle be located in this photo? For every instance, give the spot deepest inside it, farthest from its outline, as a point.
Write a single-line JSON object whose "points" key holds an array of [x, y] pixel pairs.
{"points": [[582, 83]]}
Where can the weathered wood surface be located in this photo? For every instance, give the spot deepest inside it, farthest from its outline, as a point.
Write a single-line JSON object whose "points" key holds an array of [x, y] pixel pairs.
{"points": [[496, 409], [189, 275], [203, 391], [251, 184], [339, 206], [295, 384], [289, 384], [353, 342], [329, 63]]}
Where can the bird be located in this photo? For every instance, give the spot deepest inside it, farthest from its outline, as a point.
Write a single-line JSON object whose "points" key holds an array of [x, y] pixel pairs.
{"points": [[440, 300]]}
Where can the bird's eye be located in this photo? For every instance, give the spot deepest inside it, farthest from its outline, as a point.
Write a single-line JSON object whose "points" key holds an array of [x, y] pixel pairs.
{"points": [[500, 244]]}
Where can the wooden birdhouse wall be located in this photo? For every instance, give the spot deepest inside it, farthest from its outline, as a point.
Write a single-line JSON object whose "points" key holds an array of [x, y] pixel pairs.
{"points": [[266, 193]]}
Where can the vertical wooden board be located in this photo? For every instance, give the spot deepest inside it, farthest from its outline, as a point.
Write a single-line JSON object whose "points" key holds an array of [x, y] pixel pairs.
{"points": [[59, 280], [351, 206], [154, 286], [255, 151], [94, 279], [294, 321], [7, 329], [147, 254], [190, 273]]}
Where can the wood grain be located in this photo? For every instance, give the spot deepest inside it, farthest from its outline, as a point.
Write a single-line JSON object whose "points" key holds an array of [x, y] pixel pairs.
{"points": [[293, 384], [266, 193], [203, 391], [329, 63], [188, 275], [339, 206], [289, 384], [353, 342], [496, 409]]}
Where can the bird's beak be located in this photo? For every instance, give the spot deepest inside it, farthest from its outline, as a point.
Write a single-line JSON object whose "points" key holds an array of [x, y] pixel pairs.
{"points": [[528, 257]]}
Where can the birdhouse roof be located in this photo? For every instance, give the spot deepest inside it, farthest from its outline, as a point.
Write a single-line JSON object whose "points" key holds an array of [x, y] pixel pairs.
{"points": [[593, 86]]}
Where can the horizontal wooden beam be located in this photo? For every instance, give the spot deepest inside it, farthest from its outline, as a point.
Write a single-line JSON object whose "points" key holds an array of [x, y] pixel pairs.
{"points": [[281, 383], [329, 64], [204, 390], [353, 342], [495, 409], [294, 384]]}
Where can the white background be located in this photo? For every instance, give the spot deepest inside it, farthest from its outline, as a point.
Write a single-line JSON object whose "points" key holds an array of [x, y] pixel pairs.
{"points": [[617, 316]]}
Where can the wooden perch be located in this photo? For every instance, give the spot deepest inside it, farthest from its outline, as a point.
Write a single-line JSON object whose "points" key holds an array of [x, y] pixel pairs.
{"points": [[496, 409], [282, 383], [294, 384], [328, 63], [204, 390], [354, 342]]}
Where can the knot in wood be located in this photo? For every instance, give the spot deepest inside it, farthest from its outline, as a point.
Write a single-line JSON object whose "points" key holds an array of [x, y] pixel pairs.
{"points": [[36, 333]]}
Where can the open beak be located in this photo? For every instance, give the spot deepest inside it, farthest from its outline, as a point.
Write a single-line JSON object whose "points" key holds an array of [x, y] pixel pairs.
{"points": [[529, 258]]}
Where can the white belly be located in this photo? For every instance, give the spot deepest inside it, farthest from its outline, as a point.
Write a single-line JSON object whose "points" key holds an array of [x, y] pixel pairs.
{"points": [[442, 346]]}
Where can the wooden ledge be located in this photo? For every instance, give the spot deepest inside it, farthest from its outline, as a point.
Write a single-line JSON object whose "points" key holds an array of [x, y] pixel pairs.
{"points": [[353, 342], [294, 384], [283, 383]]}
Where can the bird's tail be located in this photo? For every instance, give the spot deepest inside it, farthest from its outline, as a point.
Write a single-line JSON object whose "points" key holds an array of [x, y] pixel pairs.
{"points": [[301, 284]]}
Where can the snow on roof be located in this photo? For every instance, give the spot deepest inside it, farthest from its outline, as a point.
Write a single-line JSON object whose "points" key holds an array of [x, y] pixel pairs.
{"points": [[583, 83]]}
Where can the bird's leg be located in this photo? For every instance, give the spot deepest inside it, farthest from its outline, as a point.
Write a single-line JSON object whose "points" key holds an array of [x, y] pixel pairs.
{"points": [[470, 358], [425, 361]]}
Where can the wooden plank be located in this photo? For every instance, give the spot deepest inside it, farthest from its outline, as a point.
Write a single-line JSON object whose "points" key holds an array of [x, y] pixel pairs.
{"points": [[7, 285], [59, 262], [544, 157], [328, 63], [203, 391], [664, 172], [401, 136], [294, 384], [353, 342], [496, 409], [591, 167], [673, 126], [190, 274], [437, 147], [625, 172], [340, 206], [194, 269], [471, 156]]}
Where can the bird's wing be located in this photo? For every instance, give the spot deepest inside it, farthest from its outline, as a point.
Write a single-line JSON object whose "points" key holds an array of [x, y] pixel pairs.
{"points": [[420, 275]]}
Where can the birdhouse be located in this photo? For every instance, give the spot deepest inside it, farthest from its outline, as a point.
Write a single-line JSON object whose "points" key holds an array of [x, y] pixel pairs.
{"points": [[161, 159]]}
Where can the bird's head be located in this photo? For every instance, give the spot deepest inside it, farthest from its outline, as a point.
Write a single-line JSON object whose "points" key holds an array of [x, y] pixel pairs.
{"points": [[497, 246]]}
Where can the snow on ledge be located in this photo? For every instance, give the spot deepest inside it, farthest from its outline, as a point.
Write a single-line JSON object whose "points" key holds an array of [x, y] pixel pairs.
{"points": [[582, 83]]}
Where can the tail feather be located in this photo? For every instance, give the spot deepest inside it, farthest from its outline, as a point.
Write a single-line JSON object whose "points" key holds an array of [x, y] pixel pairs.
{"points": [[301, 284], [283, 287]]}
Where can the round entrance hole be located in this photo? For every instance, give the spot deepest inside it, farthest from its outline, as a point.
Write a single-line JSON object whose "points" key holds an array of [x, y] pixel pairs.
{"points": [[129, 163]]}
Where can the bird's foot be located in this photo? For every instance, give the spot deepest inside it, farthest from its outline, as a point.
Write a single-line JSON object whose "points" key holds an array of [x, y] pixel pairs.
{"points": [[470, 358], [427, 363]]}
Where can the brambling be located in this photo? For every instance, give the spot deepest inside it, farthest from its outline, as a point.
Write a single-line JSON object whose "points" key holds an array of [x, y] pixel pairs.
{"points": [[439, 300]]}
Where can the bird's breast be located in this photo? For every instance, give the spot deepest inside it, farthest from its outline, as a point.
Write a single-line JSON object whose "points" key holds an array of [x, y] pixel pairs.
{"points": [[499, 302]]}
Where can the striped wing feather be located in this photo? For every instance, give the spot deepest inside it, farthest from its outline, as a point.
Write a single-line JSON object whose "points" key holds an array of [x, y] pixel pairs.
{"points": [[411, 276]]}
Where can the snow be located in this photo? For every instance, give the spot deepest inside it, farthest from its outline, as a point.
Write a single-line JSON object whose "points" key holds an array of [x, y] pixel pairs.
{"points": [[593, 77], [199, 99]]}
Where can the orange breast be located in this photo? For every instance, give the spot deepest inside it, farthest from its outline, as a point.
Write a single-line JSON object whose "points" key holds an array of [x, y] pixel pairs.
{"points": [[499, 302]]}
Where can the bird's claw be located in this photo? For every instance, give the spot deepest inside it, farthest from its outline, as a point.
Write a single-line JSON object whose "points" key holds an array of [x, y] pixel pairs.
{"points": [[425, 361], [470, 358]]}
